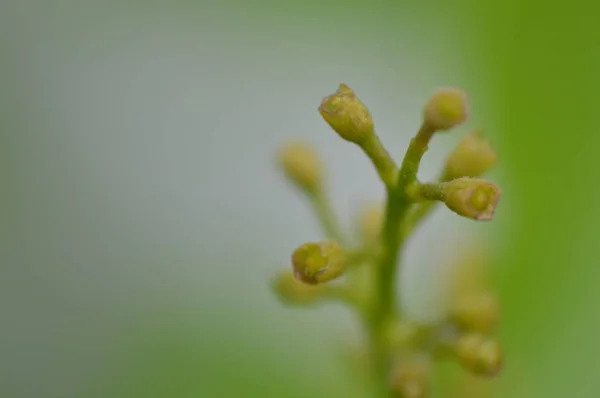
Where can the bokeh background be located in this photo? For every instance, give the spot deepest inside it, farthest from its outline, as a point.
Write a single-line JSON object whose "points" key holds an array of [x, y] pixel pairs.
{"points": [[142, 214]]}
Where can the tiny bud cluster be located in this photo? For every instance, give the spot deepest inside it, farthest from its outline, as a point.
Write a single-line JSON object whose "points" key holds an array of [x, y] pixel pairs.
{"points": [[401, 352]]}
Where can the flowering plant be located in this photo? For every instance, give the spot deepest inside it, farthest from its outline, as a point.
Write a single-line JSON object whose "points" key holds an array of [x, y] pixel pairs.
{"points": [[400, 350]]}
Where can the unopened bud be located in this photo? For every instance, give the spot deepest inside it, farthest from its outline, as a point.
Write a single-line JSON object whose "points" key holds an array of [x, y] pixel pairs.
{"points": [[291, 291], [410, 379], [472, 157], [400, 334], [479, 354], [477, 312], [472, 198], [301, 164], [319, 262], [469, 272], [371, 222], [347, 115], [447, 108]]}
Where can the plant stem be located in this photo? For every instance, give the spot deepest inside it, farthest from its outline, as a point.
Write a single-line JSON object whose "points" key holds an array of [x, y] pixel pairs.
{"points": [[417, 216], [417, 148], [397, 206], [326, 217], [420, 212], [381, 159], [420, 192]]}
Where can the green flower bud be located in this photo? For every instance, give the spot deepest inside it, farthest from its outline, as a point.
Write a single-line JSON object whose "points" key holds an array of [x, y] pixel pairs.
{"points": [[371, 222], [400, 335], [469, 271], [347, 115], [477, 312], [301, 164], [472, 157], [319, 262], [410, 379], [472, 198], [291, 291], [479, 354], [447, 108]]}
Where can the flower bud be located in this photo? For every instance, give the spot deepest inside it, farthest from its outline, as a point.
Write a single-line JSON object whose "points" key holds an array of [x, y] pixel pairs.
{"points": [[447, 108], [472, 157], [464, 385], [319, 262], [301, 164], [476, 312], [472, 198], [479, 354], [410, 379], [468, 271], [291, 291], [400, 334], [347, 115], [371, 222]]}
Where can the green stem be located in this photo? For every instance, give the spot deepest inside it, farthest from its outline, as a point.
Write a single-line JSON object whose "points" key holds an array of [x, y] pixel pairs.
{"points": [[364, 254], [342, 294], [381, 159], [397, 207], [417, 216], [421, 212], [417, 148], [419, 192], [398, 204], [326, 217]]}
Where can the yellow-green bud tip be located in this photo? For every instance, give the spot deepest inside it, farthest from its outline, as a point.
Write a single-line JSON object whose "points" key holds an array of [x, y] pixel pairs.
{"points": [[447, 108], [410, 379], [479, 354], [301, 164], [472, 198], [472, 157], [321, 262], [347, 115], [370, 222], [479, 312]]}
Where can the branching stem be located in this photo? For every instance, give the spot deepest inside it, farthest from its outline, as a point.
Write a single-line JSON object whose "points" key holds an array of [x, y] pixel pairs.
{"points": [[327, 217], [398, 204]]}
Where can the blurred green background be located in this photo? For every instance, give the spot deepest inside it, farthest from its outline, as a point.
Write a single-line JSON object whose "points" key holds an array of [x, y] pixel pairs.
{"points": [[142, 214]]}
